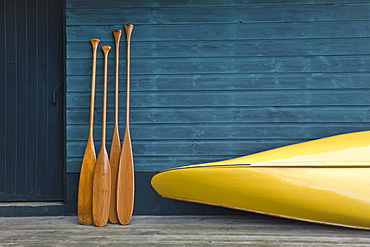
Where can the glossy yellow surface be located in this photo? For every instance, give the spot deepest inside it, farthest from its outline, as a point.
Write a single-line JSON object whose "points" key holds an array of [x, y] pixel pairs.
{"points": [[325, 181]]}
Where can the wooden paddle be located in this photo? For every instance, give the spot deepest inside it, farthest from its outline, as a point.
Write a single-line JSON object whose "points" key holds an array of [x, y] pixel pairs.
{"points": [[115, 149], [85, 187], [102, 173], [125, 183]]}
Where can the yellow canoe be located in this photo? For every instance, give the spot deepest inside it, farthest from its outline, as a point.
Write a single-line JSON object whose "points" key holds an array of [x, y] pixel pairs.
{"points": [[324, 181]]}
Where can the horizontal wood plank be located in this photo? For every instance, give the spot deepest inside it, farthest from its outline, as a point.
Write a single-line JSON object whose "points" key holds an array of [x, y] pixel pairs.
{"points": [[223, 31], [309, 114], [175, 49], [234, 98], [311, 64], [226, 132], [226, 82], [78, 4], [199, 15]]}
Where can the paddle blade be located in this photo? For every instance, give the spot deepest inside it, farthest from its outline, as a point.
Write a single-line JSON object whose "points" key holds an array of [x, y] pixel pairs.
{"points": [[101, 189], [115, 153], [85, 187], [125, 184]]}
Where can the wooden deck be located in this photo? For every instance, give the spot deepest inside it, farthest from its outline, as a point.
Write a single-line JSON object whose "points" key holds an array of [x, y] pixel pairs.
{"points": [[177, 231]]}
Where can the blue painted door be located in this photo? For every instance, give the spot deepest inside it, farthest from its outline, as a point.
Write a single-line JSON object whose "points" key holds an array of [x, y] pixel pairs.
{"points": [[31, 102]]}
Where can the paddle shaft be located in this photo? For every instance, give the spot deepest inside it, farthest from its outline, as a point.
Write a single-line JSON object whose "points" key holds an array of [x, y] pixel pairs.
{"points": [[128, 29], [125, 188], [102, 173], [117, 36], [106, 50], [115, 150], [85, 188], [94, 43]]}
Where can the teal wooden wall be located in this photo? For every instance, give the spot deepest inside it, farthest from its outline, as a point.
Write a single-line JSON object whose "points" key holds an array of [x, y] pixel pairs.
{"points": [[217, 79]]}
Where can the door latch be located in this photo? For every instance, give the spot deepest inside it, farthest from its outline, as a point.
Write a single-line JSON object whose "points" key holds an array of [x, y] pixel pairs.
{"points": [[54, 96]]}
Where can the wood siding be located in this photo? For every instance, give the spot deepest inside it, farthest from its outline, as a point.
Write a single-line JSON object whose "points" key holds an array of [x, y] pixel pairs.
{"points": [[216, 79]]}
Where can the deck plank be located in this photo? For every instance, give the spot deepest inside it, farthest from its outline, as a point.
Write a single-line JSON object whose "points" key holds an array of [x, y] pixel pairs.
{"points": [[177, 231]]}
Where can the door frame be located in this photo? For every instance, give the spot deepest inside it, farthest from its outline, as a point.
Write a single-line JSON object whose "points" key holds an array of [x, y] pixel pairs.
{"points": [[68, 205]]}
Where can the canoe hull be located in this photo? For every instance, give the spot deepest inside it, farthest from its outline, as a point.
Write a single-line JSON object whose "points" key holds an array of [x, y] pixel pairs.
{"points": [[334, 192], [337, 196]]}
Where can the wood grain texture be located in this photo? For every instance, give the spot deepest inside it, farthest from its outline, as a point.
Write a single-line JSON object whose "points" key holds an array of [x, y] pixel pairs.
{"points": [[126, 180], [78, 4], [239, 131], [115, 153], [179, 231], [315, 64], [85, 187], [239, 48], [269, 31], [263, 114], [203, 15], [215, 79], [276, 98], [233, 82], [115, 150], [101, 189], [102, 172]]}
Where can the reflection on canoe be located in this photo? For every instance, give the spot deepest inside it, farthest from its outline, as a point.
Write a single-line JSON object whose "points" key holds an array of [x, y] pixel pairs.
{"points": [[324, 181]]}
